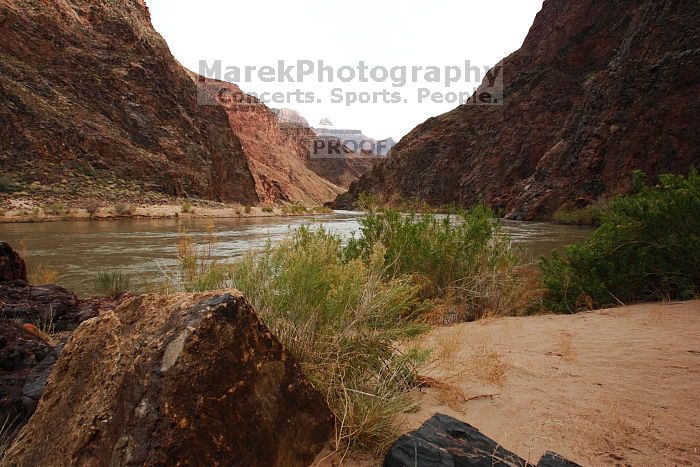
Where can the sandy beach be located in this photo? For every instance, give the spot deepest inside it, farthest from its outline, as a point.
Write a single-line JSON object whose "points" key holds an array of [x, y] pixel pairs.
{"points": [[612, 387]]}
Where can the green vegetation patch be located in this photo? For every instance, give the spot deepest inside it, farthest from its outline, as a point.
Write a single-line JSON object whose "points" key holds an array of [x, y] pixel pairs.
{"points": [[646, 248]]}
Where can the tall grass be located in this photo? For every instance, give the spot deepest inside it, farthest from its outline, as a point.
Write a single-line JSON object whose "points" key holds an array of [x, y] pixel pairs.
{"points": [[112, 283], [464, 258], [198, 270], [342, 320], [588, 215]]}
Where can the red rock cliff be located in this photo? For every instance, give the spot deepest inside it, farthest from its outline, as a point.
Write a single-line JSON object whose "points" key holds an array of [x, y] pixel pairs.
{"points": [[278, 159], [598, 89], [89, 88]]}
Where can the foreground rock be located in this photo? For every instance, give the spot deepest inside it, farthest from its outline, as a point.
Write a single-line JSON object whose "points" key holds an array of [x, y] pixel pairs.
{"points": [[12, 266], [26, 360], [443, 441], [52, 308], [189, 379]]}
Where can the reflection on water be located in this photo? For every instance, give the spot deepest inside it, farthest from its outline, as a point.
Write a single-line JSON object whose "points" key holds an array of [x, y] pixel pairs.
{"points": [[143, 248]]}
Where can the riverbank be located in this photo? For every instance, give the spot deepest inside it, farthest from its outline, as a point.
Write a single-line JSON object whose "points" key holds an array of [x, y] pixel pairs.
{"points": [[30, 210], [617, 386]]}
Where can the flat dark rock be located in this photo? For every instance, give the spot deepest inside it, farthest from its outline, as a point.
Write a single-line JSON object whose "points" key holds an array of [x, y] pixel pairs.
{"points": [[446, 441], [12, 266]]}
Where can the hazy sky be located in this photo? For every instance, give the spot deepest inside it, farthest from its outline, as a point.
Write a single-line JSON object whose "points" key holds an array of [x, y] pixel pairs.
{"points": [[380, 33]]}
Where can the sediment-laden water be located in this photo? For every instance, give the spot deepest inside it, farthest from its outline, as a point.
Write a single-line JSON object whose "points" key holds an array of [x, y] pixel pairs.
{"points": [[147, 249]]}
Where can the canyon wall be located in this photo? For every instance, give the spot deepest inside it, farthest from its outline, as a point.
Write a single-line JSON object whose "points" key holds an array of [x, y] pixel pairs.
{"points": [[89, 91], [599, 89]]}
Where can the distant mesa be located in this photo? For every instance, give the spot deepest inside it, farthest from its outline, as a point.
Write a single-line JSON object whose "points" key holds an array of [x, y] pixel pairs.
{"points": [[290, 117], [355, 140]]}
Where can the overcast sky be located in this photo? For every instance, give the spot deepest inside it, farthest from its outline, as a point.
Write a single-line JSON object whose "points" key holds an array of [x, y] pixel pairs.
{"points": [[380, 33]]}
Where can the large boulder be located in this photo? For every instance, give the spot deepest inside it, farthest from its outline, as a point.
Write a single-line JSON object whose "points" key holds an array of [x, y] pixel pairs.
{"points": [[181, 379], [446, 441], [12, 266], [25, 363]]}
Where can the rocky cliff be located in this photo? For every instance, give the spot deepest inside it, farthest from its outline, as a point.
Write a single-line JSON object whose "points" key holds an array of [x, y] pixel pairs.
{"points": [[278, 159], [598, 89], [90, 94], [339, 171]]}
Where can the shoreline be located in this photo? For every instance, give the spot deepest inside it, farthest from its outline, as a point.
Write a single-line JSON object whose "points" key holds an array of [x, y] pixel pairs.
{"points": [[25, 214]]}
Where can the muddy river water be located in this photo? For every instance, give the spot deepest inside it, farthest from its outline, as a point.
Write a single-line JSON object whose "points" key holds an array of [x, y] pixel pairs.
{"points": [[144, 248]]}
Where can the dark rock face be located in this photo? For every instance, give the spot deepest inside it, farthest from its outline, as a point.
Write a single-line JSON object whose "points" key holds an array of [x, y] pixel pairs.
{"points": [[598, 89], [552, 459], [279, 159], [49, 306], [183, 379], [26, 353], [89, 88], [25, 363], [12, 267], [443, 441]]}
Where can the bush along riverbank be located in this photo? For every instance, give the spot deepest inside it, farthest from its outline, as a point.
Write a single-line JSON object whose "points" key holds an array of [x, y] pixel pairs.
{"points": [[646, 248], [348, 311]]}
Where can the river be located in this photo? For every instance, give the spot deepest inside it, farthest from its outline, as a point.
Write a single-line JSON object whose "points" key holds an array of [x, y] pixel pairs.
{"points": [[144, 248]]}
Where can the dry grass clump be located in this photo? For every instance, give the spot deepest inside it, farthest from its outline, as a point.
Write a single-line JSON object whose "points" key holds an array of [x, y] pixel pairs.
{"points": [[92, 206], [564, 347], [41, 274], [487, 365], [342, 320], [7, 434], [38, 273], [122, 209]]}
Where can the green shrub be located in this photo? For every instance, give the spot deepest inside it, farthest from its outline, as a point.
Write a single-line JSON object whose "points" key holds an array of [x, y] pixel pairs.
{"points": [[122, 209], [465, 257], [588, 215], [323, 210], [647, 248], [54, 209], [186, 207], [112, 283], [295, 209], [267, 209], [247, 209], [7, 186], [342, 320]]}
